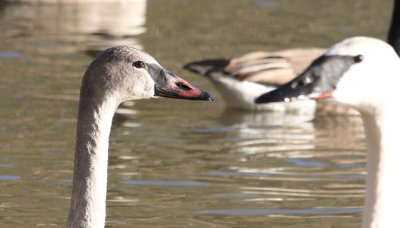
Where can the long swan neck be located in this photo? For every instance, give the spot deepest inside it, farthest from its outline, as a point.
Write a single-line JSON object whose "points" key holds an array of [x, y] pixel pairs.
{"points": [[89, 187], [383, 185], [394, 31]]}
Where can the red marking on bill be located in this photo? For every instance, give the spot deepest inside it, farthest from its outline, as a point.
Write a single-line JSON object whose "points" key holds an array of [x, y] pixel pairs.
{"points": [[321, 96]]}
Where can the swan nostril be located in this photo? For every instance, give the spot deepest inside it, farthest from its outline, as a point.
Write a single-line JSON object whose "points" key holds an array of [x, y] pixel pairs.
{"points": [[358, 58], [183, 86]]}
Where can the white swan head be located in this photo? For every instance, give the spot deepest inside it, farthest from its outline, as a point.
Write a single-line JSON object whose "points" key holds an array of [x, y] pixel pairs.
{"points": [[126, 73], [361, 72]]}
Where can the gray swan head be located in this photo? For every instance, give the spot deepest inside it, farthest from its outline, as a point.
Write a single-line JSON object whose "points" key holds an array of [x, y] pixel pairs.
{"points": [[116, 75], [125, 73]]}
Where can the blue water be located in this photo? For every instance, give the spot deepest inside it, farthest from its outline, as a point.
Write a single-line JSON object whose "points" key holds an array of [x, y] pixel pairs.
{"points": [[164, 183], [9, 54], [284, 212]]}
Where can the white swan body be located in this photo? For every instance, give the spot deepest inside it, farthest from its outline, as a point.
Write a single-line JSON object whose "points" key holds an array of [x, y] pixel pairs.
{"points": [[363, 73], [116, 75]]}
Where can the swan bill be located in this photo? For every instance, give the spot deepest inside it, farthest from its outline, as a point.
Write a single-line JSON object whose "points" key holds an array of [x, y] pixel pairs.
{"points": [[195, 94], [318, 81], [171, 86]]}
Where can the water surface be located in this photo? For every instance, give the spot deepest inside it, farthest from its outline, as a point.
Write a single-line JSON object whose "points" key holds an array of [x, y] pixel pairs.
{"points": [[178, 163]]}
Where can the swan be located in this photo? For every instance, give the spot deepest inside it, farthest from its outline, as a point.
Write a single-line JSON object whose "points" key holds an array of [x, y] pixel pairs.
{"points": [[118, 74], [242, 79], [363, 73]]}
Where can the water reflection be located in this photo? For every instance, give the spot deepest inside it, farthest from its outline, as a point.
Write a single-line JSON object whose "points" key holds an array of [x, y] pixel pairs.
{"points": [[94, 25], [287, 212], [255, 132], [164, 183], [281, 159]]}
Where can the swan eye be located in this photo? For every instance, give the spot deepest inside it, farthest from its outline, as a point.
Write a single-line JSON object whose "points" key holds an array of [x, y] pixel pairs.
{"points": [[139, 64], [358, 58]]}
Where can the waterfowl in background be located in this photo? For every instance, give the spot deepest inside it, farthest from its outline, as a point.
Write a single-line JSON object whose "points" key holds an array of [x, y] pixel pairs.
{"points": [[241, 80], [364, 74]]}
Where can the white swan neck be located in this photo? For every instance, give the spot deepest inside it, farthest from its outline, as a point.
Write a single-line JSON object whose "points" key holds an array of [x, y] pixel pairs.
{"points": [[383, 168], [89, 187]]}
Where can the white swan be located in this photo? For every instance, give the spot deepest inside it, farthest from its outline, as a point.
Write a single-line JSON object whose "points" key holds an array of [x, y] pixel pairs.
{"points": [[116, 75], [363, 73], [240, 80]]}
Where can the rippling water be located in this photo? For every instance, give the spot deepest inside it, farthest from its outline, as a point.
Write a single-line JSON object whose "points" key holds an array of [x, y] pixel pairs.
{"points": [[178, 163]]}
